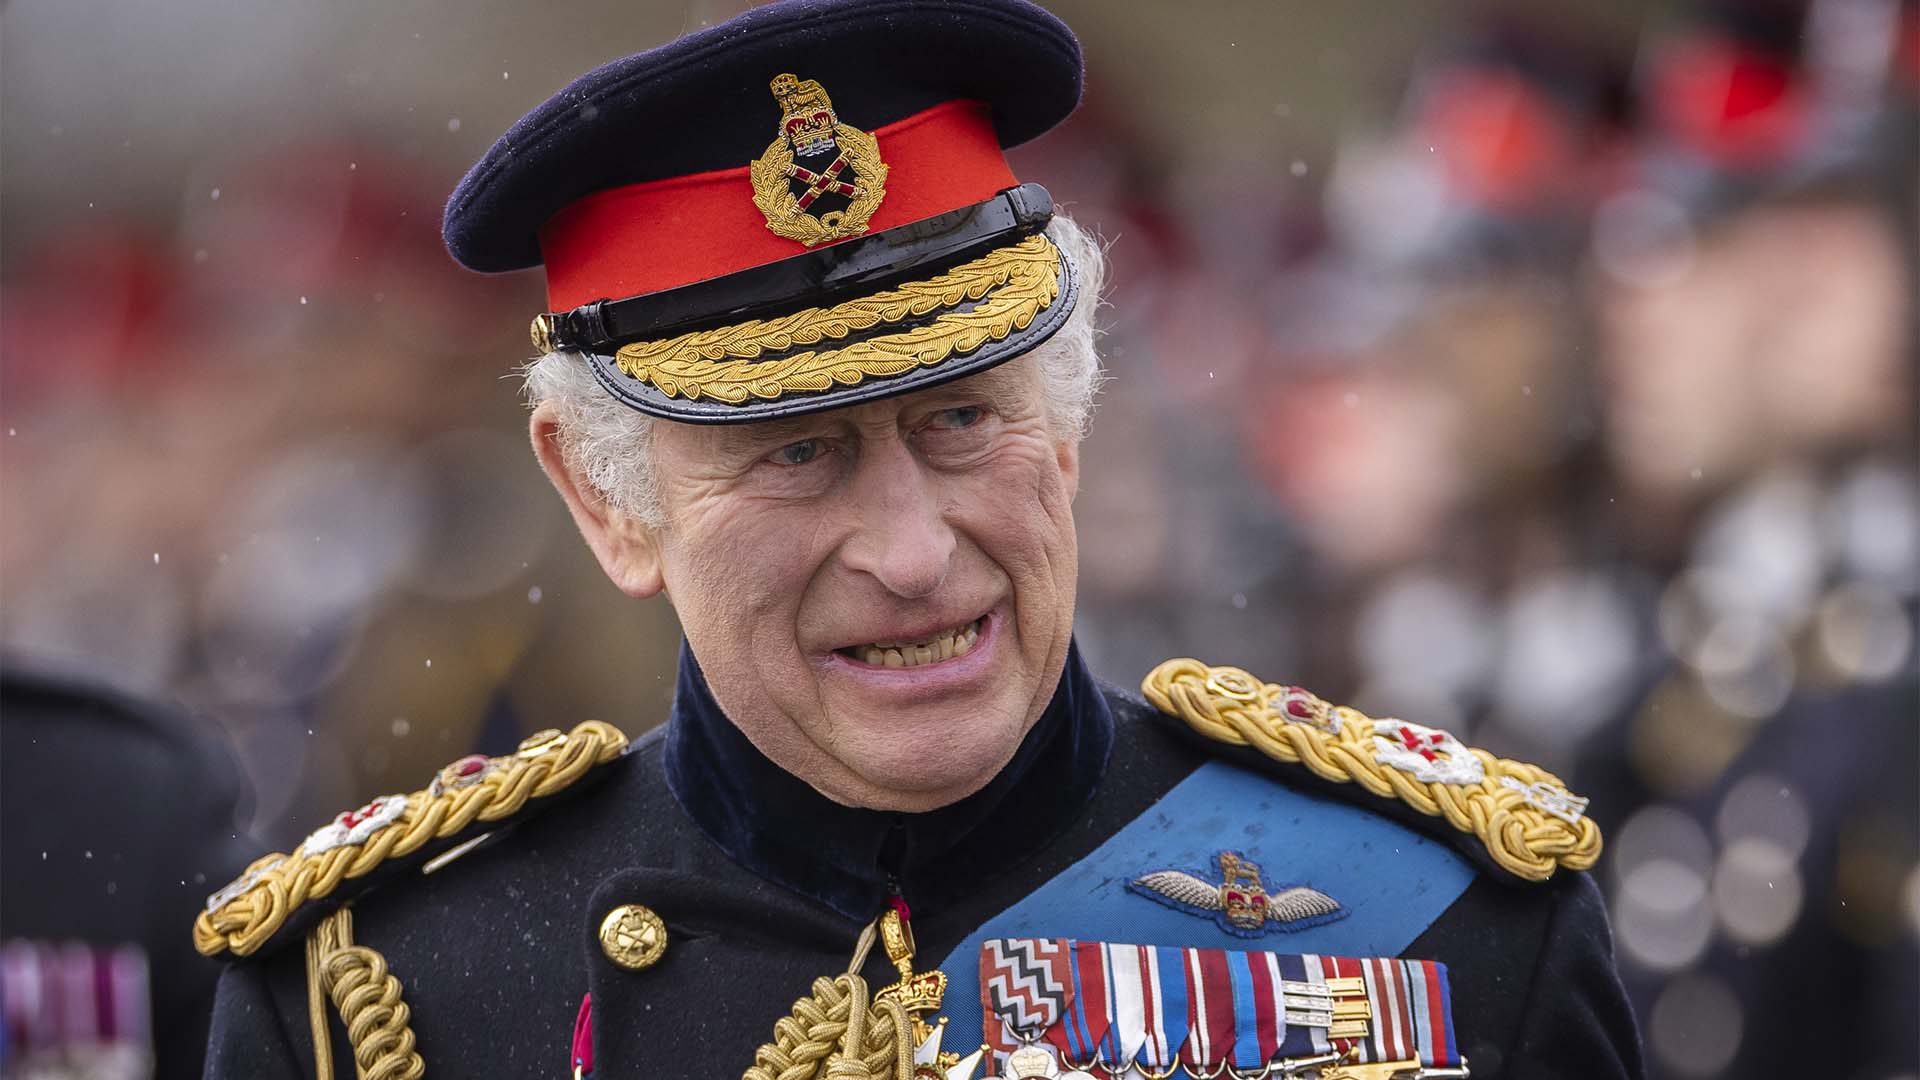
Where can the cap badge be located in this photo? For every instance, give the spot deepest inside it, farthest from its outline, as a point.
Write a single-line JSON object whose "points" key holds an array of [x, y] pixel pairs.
{"points": [[820, 179]]}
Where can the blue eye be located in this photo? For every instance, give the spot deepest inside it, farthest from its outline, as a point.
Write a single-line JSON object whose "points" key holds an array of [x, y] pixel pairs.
{"points": [[964, 416], [799, 453]]}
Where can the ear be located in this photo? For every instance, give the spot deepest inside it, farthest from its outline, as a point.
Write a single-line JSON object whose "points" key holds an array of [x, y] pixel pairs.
{"points": [[1067, 453], [628, 551]]}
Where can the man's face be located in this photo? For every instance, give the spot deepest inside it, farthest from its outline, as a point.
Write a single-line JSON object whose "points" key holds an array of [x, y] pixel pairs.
{"points": [[880, 596]]}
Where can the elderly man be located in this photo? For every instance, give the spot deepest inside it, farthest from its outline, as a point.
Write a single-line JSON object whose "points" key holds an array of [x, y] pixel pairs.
{"points": [[826, 392]]}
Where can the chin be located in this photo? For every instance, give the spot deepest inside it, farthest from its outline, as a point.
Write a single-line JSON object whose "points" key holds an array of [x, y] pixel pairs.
{"points": [[910, 773]]}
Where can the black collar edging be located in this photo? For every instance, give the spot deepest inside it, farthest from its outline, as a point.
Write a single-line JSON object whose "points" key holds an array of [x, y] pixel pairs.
{"points": [[778, 827]]}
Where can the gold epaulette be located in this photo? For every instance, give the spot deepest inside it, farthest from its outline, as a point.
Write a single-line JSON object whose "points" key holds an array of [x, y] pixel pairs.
{"points": [[1529, 822], [242, 916]]}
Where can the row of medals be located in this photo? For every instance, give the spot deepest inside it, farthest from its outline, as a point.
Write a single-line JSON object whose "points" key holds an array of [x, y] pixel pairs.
{"points": [[921, 993]]}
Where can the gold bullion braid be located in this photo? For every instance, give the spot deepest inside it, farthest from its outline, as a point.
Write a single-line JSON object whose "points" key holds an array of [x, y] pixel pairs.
{"points": [[247, 921], [1017, 282], [775, 198], [367, 996], [1522, 839], [836, 1033]]}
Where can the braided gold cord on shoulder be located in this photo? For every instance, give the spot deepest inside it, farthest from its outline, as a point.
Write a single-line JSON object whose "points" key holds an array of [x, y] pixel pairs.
{"points": [[1017, 281], [1529, 823], [277, 885]]}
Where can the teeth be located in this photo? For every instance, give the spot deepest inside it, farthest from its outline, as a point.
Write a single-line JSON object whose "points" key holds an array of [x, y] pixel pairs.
{"points": [[913, 654]]}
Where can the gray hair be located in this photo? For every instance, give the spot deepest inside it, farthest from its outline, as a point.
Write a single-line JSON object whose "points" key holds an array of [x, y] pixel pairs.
{"points": [[611, 444]]}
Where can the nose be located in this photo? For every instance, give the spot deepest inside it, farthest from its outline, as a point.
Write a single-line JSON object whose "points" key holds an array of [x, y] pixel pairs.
{"points": [[901, 538]]}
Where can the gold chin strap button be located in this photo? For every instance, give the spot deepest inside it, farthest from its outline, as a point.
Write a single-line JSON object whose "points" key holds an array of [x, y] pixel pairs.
{"points": [[542, 332], [633, 937]]}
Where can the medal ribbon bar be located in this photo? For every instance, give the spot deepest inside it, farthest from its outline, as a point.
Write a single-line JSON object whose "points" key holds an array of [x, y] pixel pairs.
{"points": [[1122, 1010]]}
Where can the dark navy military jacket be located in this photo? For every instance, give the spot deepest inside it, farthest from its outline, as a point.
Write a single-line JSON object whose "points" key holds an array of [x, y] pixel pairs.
{"points": [[764, 885]]}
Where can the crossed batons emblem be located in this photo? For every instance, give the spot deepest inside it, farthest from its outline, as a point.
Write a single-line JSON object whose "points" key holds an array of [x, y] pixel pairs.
{"points": [[842, 161]]}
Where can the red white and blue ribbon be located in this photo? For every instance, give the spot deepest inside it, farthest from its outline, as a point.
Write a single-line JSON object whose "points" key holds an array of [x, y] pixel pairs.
{"points": [[1259, 1009], [1126, 1004], [1088, 1019], [1145, 997], [1407, 1024], [1210, 1014], [1411, 1013], [1205, 1009], [1166, 1012]]}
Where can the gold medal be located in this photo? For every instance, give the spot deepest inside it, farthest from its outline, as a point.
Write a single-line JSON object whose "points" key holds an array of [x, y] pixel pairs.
{"points": [[918, 993]]}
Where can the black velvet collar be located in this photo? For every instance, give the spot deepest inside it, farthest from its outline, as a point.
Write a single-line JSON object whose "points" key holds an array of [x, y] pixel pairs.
{"points": [[781, 829]]}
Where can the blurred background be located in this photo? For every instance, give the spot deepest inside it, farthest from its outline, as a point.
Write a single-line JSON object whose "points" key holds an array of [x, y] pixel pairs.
{"points": [[1544, 372]]}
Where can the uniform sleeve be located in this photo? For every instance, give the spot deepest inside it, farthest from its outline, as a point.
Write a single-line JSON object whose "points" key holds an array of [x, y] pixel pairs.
{"points": [[248, 1040], [1576, 1022]]}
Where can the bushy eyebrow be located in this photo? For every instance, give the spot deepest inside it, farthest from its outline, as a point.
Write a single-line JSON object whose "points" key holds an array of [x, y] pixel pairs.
{"points": [[751, 438], [999, 388]]}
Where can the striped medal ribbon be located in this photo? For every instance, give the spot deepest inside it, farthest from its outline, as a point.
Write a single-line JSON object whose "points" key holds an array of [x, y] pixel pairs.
{"points": [[1162, 1009], [1084, 1028], [1259, 1009], [1210, 1013], [1412, 1018], [1306, 1006], [1164, 1013], [1126, 1003], [1026, 986]]}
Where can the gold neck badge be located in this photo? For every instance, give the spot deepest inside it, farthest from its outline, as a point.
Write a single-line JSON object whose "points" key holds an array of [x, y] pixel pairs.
{"points": [[839, 1032], [820, 179], [918, 993]]}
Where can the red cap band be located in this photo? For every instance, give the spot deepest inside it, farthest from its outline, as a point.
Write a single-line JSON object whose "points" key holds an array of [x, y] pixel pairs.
{"points": [[644, 238]]}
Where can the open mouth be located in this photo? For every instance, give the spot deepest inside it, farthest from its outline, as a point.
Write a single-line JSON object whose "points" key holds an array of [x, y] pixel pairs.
{"points": [[905, 654]]}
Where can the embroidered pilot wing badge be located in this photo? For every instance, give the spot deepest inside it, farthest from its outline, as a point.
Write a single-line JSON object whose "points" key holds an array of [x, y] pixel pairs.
{"points": [[820, 180], [1241, 902]]}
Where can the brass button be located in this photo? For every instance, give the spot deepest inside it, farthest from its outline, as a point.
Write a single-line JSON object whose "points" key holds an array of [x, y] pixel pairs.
{"points": [[633, 937], [542, 332]]}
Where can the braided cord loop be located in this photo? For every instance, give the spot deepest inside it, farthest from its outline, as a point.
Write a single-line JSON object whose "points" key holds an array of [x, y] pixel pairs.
{"points": [[544, 765], [367, 997], [838, 1033], [1502, 805]]}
